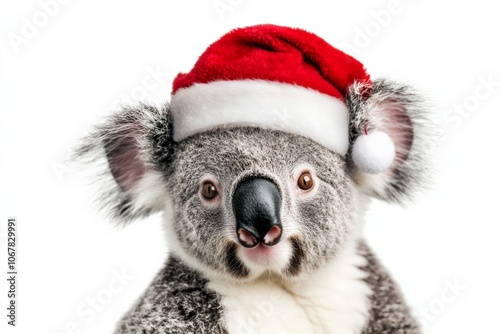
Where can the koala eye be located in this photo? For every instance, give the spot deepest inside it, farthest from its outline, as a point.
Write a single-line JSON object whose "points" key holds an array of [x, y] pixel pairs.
{"points": [[305, 181], [209, 190]]}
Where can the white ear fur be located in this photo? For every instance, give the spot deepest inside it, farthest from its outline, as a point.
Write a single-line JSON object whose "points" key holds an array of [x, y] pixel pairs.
{"points": [[124, 148], [373, 152], [402, 113]]}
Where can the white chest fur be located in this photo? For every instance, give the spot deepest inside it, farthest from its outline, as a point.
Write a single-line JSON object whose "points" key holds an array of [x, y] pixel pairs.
{"points": [[334, 300]]}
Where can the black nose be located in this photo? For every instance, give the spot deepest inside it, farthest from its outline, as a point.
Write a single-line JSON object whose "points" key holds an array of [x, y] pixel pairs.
{"points": [[256, 207]]}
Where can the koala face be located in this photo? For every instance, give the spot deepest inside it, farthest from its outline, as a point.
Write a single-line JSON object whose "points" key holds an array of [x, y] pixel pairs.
{"points": [[310, 209]]}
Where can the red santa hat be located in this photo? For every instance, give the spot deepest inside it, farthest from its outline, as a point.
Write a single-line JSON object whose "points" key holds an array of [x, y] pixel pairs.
{"points": [[271, 77]]}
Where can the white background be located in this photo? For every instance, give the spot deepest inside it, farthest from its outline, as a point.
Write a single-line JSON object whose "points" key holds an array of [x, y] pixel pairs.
{"points": [[78, 63]]}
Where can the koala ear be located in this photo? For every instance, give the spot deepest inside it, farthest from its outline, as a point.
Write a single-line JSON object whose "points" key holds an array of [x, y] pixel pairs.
{"points": [[131, 150], [389, 134]]}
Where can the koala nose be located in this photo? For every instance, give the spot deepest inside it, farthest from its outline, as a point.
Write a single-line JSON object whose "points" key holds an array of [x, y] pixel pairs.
{"points": [[256, 207]]}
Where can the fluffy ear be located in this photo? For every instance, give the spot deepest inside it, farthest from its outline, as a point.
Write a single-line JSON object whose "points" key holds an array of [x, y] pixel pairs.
{"points": [[397, 118], [131, 150]]}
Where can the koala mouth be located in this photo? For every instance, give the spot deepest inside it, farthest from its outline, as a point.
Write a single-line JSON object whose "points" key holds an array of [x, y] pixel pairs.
{"points": [[285, 258], [264, 250], [264, 255]]}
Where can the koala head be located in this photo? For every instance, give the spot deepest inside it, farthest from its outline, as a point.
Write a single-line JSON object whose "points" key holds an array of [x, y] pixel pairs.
{"points": [[241, 200]]}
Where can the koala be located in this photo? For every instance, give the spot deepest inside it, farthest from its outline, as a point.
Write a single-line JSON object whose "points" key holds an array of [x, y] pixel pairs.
{"points": [[264, 215]]}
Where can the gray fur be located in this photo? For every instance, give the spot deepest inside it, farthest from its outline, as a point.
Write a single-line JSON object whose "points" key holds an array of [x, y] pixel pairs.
{"points": [[137, 141], [389, 313], [143, 128], [177, 302]]}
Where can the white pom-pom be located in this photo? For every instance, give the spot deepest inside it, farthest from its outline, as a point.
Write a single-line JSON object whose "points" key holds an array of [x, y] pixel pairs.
{"points": [[373, 153]]}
